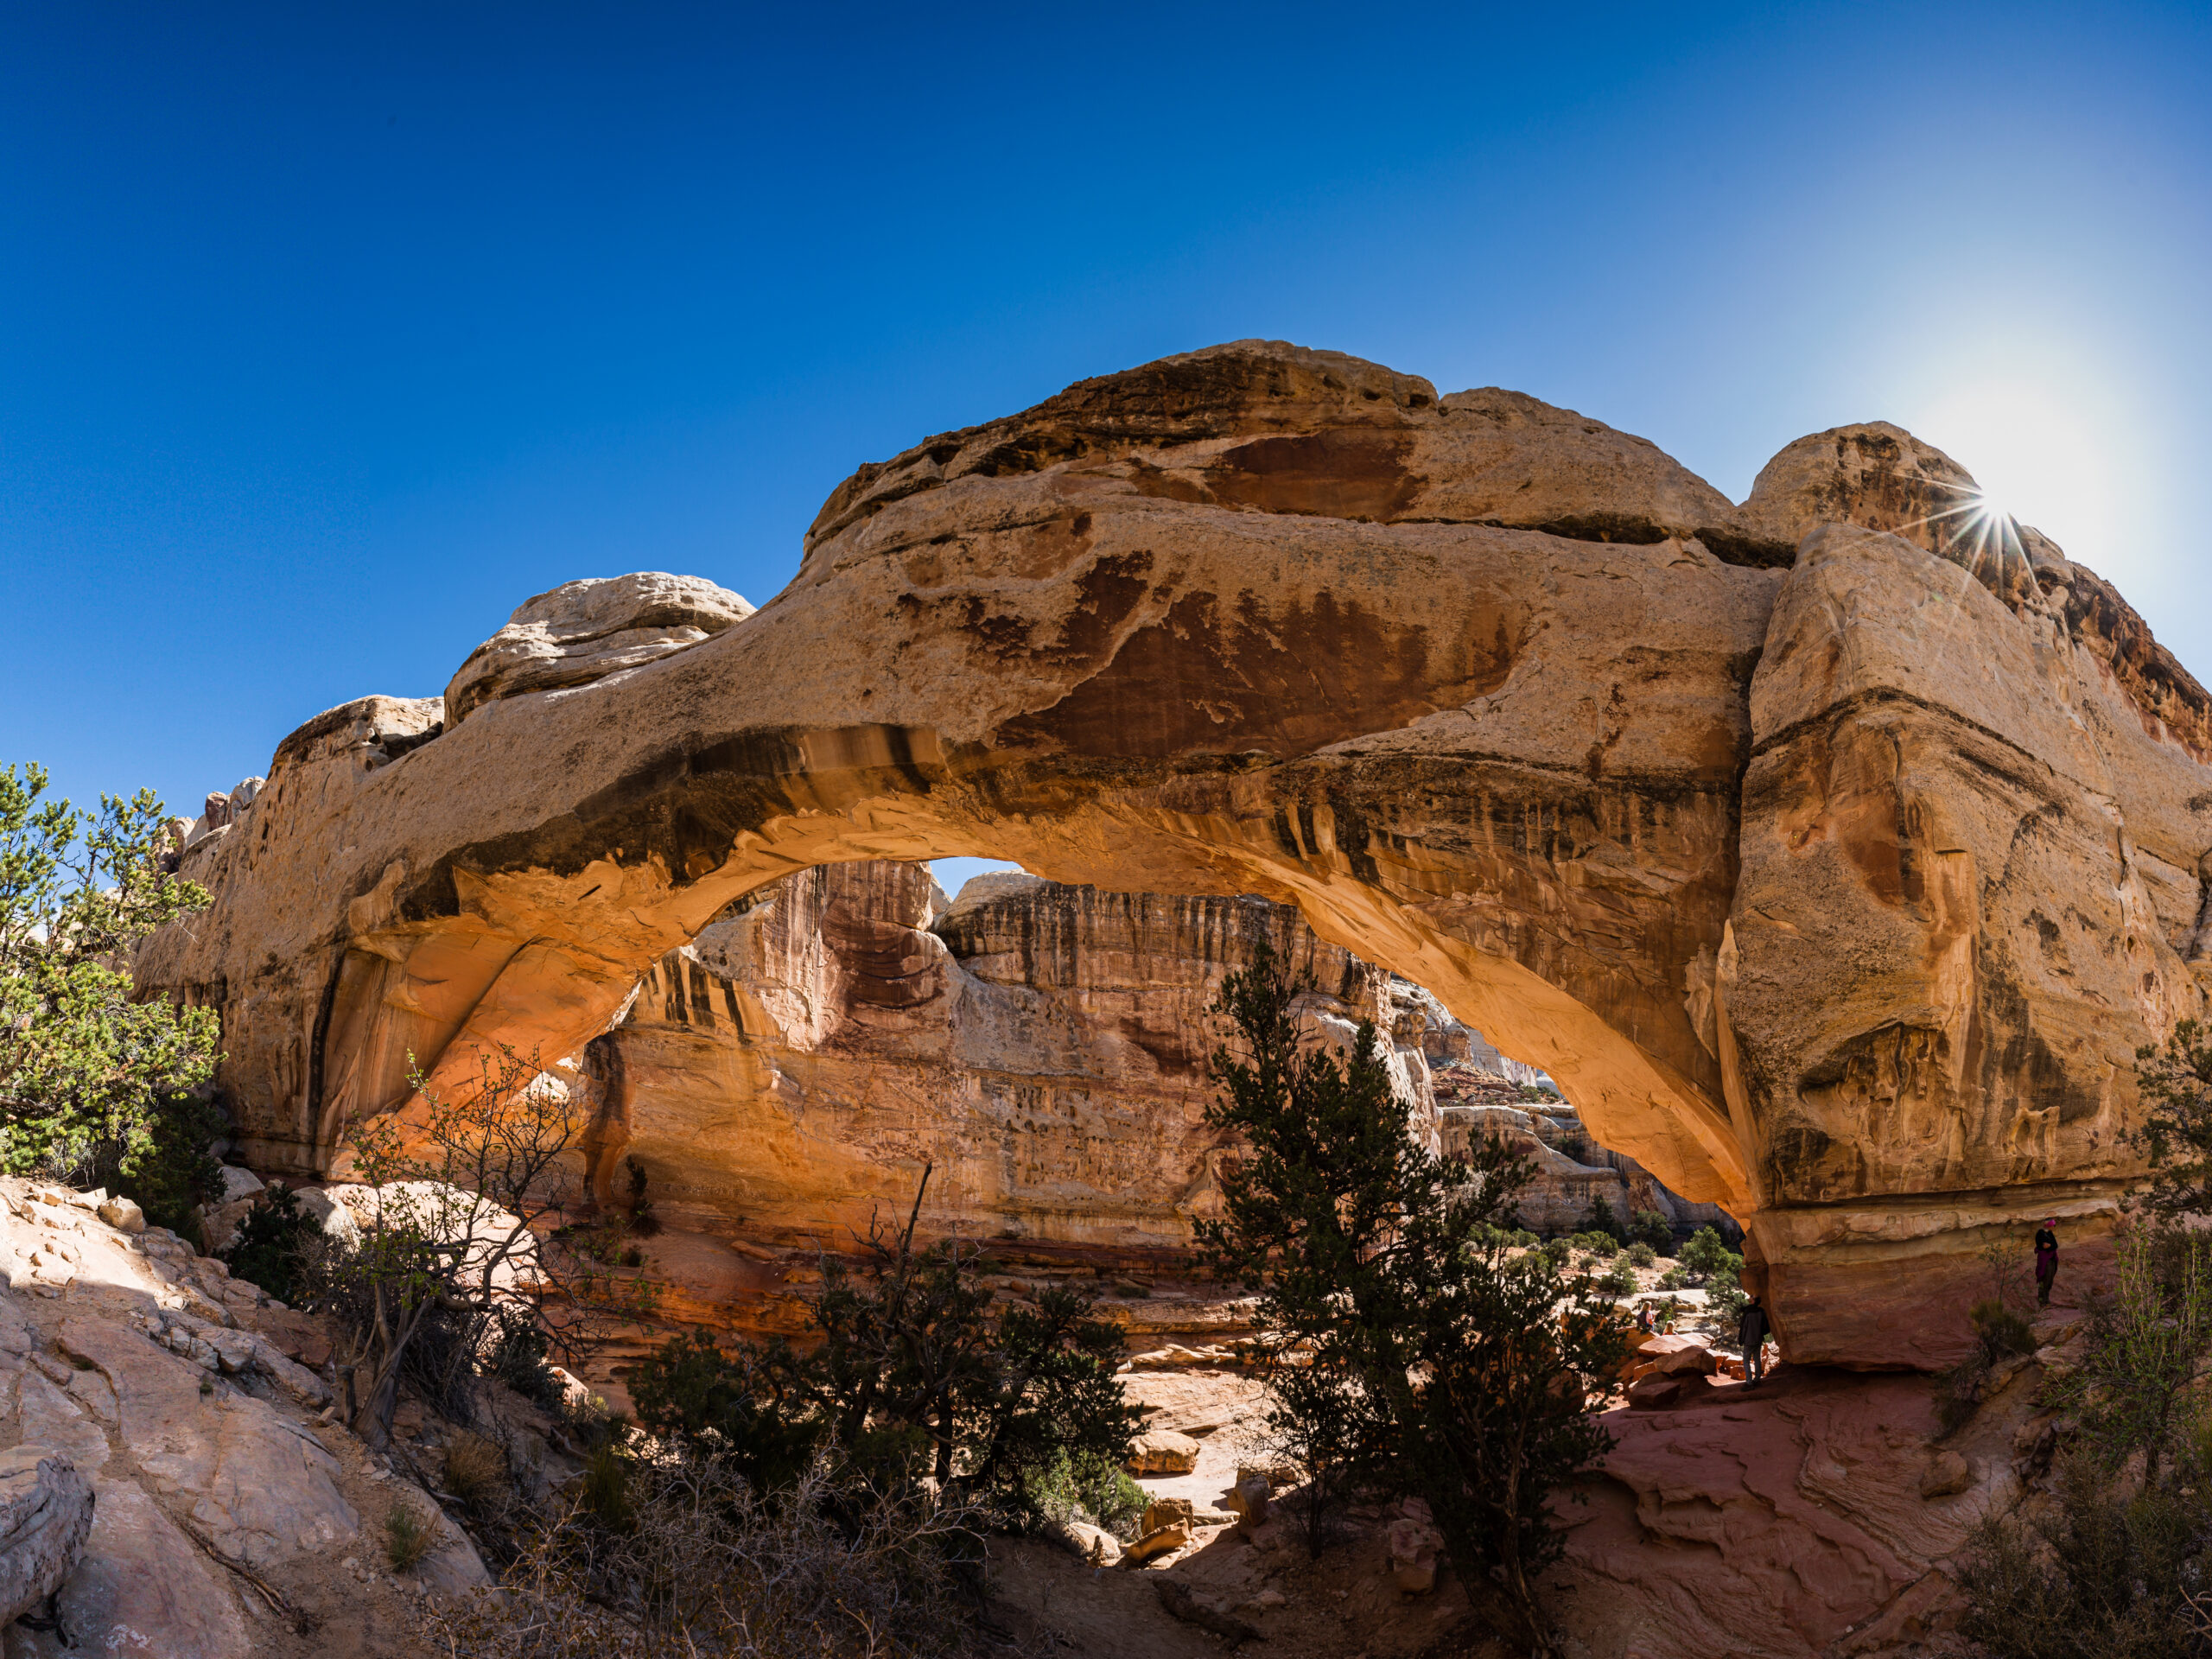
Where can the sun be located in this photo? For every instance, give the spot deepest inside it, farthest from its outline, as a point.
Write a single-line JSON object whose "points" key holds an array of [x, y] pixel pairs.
{"points": [[2036, 457]]}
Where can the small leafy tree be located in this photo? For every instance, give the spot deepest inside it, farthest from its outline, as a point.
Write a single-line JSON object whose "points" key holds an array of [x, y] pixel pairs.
{"points": [[1652, 1229], [461, 1238], [2141, 1383], [96, 1086], [1448, 1366], [915, 1370], [2174, 1081]]}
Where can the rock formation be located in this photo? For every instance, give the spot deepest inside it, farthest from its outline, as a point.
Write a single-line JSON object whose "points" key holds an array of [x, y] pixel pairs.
{"points": [[1835, 852], [1040, 1048], [171, 1484]]}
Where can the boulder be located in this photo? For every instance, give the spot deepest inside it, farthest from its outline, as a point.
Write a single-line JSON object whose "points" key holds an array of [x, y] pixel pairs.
{"points": [[1161, 1452], [1674, 1356], [584, 631], [1656, 1393], [1094, 1544], [1249, 1498], [1186, 1603], [259, 1485], [124, 1215], [240, 1184], [1163, 1512], [1413, 1545], [334, 1219], [1159, 1541], [1947, 1473], [45, 1511]]}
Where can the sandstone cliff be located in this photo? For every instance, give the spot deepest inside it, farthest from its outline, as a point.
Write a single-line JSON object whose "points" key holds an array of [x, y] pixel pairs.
{"points": [[1041, 1048], [1833, 851]]}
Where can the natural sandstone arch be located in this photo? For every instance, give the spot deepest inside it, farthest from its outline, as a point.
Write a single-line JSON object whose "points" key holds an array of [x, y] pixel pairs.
{"points": [[1757, 846]]}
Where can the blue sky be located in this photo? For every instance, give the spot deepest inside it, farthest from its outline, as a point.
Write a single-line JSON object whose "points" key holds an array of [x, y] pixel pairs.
{"points": [[328, 335]]}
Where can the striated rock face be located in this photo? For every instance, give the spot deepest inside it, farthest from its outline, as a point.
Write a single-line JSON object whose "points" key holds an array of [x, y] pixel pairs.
{"points": [[1041, 1048], [46, 1509], [1834, 862]]}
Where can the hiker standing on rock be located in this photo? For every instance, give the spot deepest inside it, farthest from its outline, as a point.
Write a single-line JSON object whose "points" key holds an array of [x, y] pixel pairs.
{"points": [[1751, 1328], [2046, 1260]]}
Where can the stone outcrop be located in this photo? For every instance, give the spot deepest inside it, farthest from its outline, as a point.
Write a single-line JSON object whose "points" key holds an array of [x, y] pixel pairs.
{"points": [[46, 1509], [1834, 861], [585, 631], [171, 1484], [1040, 1048]]}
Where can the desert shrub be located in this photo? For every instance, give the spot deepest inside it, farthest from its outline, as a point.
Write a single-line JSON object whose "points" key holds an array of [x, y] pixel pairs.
{"points": [[1620, 1280], [407, 1537], [517, 1353], [1641, 1255], [1652, 1228], [704, 1568], [643, 1222], [476, 1472], [1999, 1331], [1086, 1488], [913, 1377], [272, 1245], [2105, 1571], [1555, 1251], [1676, 1278], [173, 1174]]}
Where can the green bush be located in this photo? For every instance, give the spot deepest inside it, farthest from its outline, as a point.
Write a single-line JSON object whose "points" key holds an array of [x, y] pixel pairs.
{"points": [[2103, 1574], [1707, 1257], [1641, 1255], [1620, 1278], [1651, 1227], [272, 1243], [1086, 1488], [97, 1086], [1675, 1278]]}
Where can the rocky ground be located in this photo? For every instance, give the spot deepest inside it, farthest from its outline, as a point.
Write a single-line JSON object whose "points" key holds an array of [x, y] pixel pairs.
{"points": [[230, 1516], [1815, 1514]]}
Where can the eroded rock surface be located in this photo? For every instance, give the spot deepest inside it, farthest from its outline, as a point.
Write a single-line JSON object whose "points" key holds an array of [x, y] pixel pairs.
{"points": [[1834, 861], [1041, 1048]]}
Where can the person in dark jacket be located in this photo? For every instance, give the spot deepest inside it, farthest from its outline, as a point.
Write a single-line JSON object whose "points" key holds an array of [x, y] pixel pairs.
{"points": [[1644, 1326], [1752, 1330], [2046, 1259]]}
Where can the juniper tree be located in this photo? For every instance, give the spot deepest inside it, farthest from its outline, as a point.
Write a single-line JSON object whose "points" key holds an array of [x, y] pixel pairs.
{"points": [[1398, 1325], [96, 1085]]}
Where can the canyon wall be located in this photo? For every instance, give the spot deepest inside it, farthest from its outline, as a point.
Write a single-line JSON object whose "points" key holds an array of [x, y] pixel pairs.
{"points": [[1833, 851], [1041, 1049]]}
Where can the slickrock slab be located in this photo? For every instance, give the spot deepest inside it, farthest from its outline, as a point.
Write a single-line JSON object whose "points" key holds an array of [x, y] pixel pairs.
{"points": [[142, 1588], [262, 1488]]}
